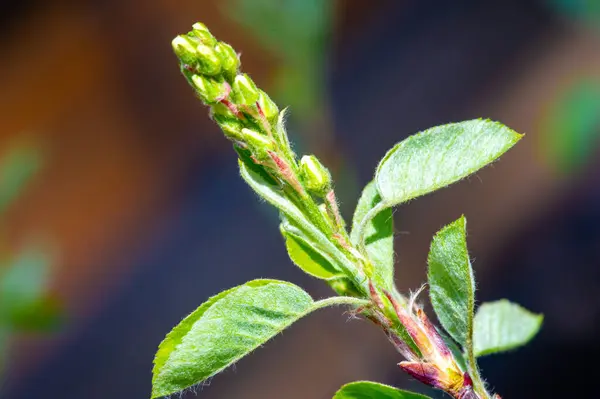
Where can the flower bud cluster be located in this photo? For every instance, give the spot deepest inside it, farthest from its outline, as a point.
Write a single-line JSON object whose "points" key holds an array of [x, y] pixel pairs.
{"points": [[245, 113]]}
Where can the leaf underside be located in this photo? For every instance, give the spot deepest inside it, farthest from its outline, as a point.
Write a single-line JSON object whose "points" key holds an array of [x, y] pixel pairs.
{"points": [[307, 257], [502, 325], [378, 236]]}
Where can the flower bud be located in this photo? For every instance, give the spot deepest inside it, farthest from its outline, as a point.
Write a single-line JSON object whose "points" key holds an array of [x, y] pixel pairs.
{"points": [[232, 128], [208, 62], [315, 176], [268, 107], [185, 49], [209, 90], [244, 90], [200, 31], [229, 59], [221, 110], [258, 143]]}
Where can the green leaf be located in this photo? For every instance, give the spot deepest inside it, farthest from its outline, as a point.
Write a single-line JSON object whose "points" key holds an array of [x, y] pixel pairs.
{"points": [[373, 390], [377, 235], [440, 156], [503, 325], [226, 328], [307, 258], [451, 282]]}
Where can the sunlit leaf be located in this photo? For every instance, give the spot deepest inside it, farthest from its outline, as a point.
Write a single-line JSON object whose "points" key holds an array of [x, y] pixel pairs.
{"points": [[440, 156], [451, 282], [226, 328]]}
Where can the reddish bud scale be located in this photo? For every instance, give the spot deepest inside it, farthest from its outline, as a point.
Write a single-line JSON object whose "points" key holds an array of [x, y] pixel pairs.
{"points": [[286, 172], [335, 210], [411, 326], [433, 334], [232, 107], [402, 347], [263, 120], [375, 296], [425, 372]]}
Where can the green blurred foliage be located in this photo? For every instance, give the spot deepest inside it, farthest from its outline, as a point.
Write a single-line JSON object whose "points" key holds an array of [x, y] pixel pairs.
{"points": [[572, 126], [24, 307], [17, 166], [585, 10], [298, 33], [24, 304]]}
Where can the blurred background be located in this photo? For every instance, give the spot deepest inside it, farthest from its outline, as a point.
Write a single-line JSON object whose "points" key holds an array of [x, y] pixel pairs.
{"points": [[121, 209]]}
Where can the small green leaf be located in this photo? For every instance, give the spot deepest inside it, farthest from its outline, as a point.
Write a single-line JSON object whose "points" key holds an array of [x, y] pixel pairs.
{"points": [[228, 327], [503, 325], [307, 258], [451, 282], [440, 156], [373, 390], [378, 235]]}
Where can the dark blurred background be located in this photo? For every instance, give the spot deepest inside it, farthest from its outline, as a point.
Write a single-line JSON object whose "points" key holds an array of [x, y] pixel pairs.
{"points": [[136, 214]]}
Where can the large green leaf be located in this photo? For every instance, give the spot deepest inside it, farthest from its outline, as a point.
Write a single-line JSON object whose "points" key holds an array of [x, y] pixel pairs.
{"points": [[440, 156], [373, 390], [226, 328], [377, 235], [451, 282], [502, 325]]}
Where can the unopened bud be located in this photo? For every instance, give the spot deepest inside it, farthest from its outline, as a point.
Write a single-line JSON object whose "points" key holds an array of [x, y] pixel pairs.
{"points": [[203, 34], [208, 61], [315, 176], [209, 90], [229, 59], [185, 49], [258, 143], [222, 110], [231, 127], [244, 90], [267, 106]]}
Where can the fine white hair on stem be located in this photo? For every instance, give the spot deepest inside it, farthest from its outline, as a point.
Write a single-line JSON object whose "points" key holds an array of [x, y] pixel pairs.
{"points": [[413, 297]]}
